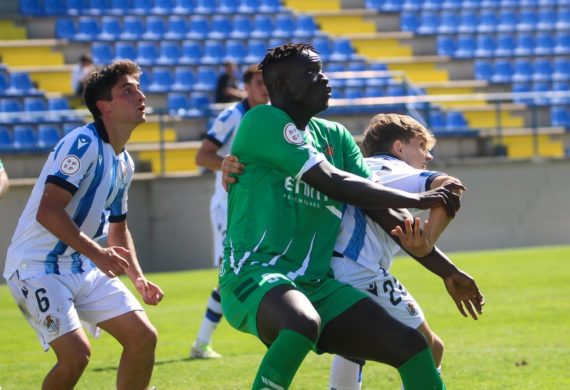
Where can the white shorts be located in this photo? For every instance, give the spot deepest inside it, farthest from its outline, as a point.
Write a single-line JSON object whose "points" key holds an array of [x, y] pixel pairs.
{"points": [[58, 304], [219, 219], [383, 288]]}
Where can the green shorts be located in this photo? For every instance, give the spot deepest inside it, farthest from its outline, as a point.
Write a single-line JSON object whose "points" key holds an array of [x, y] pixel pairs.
{"points": [[241, 295]]}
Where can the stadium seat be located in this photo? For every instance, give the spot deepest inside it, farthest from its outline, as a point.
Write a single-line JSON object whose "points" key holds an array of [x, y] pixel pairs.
{"points": [[390, 5], [503, 71], [147, 53], [487, 21], [341, 50], [451, 4], [559, 116], [353, 93], [255, 51], [562, 19], [4, 83], [429, 22], [374, 91], [445, 45], [87, 29], [206, 7], [161, 80], [183, 79], [485, 46], [220, 27], [177, 103], [412, 5], [6, 142], [270, 6], [191, 53], [323, 47], [409, 22], [541, 87], [524, 44], [521, 88], [547, 18], [96, 7], [229, 7], [544, 44], [262, 26], [468, 21], [55, 7], [241, 27], [24, 137], [155, 28], [285, 25], [505, 45], [48, 136], [437, 120], [455, 121], [199, 27], [125, 50], [432, 5], [163, 7], [183, 7], [561, 69], [466, 46], [248, 6], [507, 20], [76, 7], [449, 21], [562, 43], [526, 20], [37, 106], [31, 7], [522, 70], [206, 79], [133, 28], [146, 78], [306, 26], [560, 86], [119, 7], [170, 53], [176, 28], [102, 53], [142, 7], [542, 70], [21, 84], [214, 53], [235, 51], [396, 90], [64, 28], [110, 28]]}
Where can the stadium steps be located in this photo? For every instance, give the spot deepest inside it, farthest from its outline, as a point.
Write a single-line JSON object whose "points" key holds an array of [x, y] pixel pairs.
{"points": [[178, 156], [149, 132], [522, 146], [30, 52], [485, 116], [9, 30], [54, 79], [342, 24], [313, 5]]}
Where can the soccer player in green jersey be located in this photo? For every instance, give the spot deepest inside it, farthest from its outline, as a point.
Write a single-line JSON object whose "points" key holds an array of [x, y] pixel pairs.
{"points": [[283, 220]]}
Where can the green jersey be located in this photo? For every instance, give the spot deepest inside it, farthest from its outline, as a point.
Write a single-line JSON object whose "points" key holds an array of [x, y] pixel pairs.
{"points": [[274, 218]]}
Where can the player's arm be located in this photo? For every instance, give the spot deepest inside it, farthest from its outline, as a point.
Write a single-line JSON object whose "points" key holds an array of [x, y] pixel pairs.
{"points": [[348, 188], [4, 182], [119, 235], [207, 155], [53, 216], [438, 217]]}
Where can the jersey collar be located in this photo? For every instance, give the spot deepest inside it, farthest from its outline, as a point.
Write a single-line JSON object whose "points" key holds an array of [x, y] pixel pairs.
{"points": [[101, 130], [246, 105], [386, 154]]}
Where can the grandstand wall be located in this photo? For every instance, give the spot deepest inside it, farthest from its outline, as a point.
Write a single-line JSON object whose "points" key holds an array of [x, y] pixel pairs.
{"points": [[508, 204]]}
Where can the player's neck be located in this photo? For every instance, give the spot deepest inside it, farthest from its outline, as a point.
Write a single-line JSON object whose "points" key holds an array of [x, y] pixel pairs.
{"points": [[118, 134]]}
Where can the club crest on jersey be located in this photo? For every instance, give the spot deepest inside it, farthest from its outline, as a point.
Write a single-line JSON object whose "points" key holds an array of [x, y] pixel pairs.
{"points": [[70, 165], [411, 308], [51, 324], [292, 134], [123, 172], [329, 150]]}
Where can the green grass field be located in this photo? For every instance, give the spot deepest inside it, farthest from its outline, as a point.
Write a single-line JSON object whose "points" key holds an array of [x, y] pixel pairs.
{"points": [[522, 341]]}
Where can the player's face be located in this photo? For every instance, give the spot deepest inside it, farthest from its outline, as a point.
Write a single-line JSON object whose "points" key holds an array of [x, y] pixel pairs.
{"points": [[128, 103], [256, 91], [415, 153], [308, 85]]}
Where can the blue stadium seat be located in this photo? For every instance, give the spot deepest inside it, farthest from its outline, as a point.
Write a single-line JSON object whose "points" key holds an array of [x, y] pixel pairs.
{"points": [[206, 7], [485, 46], [466, 46], [155, 28], [57, 104], [31, 7], [96, 7], [177, 103], [429, 22], [214, 53], [255, 51], [342, 50], [183, 79], [133, 28], [199, 27], [183, 7], [162, 80], [306, 26], [445, 45], [561, 69], [449, 22], [55, 7], [191, 53], [199, 105], [455, 120], [76, 7], [323, 47], [526, 20], [220, 27], [559, 116], [285, 26], [522, 70], [176, 27], [396, 90], [4, 82], [102, 53], [6, 142], [35, 105], [541, 87], [87, 29], [525, 44], [24, 137], [503, 71], [468, 21], [353, 93], [64, 28], [562, 43], [147, 53], [487, 21], [374, 91], [235, 51], [544, 44], [170, 53], [21, 84], [270, 6], [48, 135], [262, 26], [437, 120], [560, 86], [119, 7], [483, 70], [241, 27], [142, 7], [390, 5], [110, 28], [451, 4], [505, 45], [163, 7], [521, 88], [412, 5], [547, 18], [125, 50], [507, 20], [145, 78], [409, 22], [527, 3], [229, 7], [248, 6], [432, 5], [542, 69], [562, 19], [206, 79]]}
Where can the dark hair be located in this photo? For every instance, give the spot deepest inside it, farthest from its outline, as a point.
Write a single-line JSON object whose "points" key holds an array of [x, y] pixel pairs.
{"points": [[384, 129], [99, 84], [249, 73]]}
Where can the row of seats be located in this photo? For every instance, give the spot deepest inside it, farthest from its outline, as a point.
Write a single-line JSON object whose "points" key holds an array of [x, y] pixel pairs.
{"points": [[369, 91], [560, 116], [17, 83], [209, 52], [504, 45], [448, 121], [32, 138], [283, 25], [504, 70], [146, 7], [521, 88], [415, 5], [506, 20]]}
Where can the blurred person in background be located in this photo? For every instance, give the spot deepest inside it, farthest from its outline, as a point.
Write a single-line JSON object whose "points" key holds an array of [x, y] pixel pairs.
{"points": [[4, 182], [80, 73], [227, 86]]}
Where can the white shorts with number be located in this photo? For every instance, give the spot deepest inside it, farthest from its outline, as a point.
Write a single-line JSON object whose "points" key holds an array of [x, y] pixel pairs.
{"points": [[219, 217], [383, 288], [57, 304]]}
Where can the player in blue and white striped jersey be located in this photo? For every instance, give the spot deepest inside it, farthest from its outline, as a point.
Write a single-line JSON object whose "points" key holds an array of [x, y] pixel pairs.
{"points": [[216, 145], [399, 151], [56, 270]]}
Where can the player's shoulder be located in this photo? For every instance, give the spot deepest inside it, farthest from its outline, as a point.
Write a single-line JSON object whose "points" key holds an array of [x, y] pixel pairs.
{"points": [[328, 124]]}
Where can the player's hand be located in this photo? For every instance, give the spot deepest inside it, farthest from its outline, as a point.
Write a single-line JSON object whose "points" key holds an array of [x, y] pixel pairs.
{"points": [[445, 196], [465, 293], [414, 239], [150, 292], [230, 167], [111, 261]]}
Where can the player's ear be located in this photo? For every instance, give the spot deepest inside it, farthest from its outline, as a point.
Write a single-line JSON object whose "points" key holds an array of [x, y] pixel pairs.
{"points": [[103, 106], [397, 147]]}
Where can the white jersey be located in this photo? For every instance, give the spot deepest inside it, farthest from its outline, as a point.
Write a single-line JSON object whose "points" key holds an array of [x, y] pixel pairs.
{"points": [[85, 164], [361, 239], [222, 133]]}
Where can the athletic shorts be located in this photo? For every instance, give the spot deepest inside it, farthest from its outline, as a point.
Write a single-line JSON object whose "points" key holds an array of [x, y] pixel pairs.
{"points": [[218, 217], [58, 304], [383, 288], [242, 294]]}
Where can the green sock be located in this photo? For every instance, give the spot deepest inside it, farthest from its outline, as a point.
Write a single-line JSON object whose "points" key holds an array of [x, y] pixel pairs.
{"points": [[282, 360], [419, 372]]}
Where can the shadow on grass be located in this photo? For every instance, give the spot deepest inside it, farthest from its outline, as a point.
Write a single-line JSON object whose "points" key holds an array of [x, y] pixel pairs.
{"points": [[157, 363]]}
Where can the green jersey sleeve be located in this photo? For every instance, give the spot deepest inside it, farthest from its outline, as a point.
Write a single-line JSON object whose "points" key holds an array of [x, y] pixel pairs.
{"points": [[268, 136]]}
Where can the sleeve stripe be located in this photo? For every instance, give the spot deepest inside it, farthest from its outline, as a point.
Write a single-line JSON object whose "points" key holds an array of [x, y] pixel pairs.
{"points": [[117, 218], [214, 140], [58, 181]]}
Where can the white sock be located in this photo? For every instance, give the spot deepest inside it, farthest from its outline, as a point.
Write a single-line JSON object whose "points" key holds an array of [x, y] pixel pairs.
{"points": [[345, 375], [211, 318]]}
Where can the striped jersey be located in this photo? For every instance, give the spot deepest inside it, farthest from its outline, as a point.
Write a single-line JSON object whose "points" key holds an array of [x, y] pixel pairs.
{"points": [[85, 164], [222, 133], [361, 239]]}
